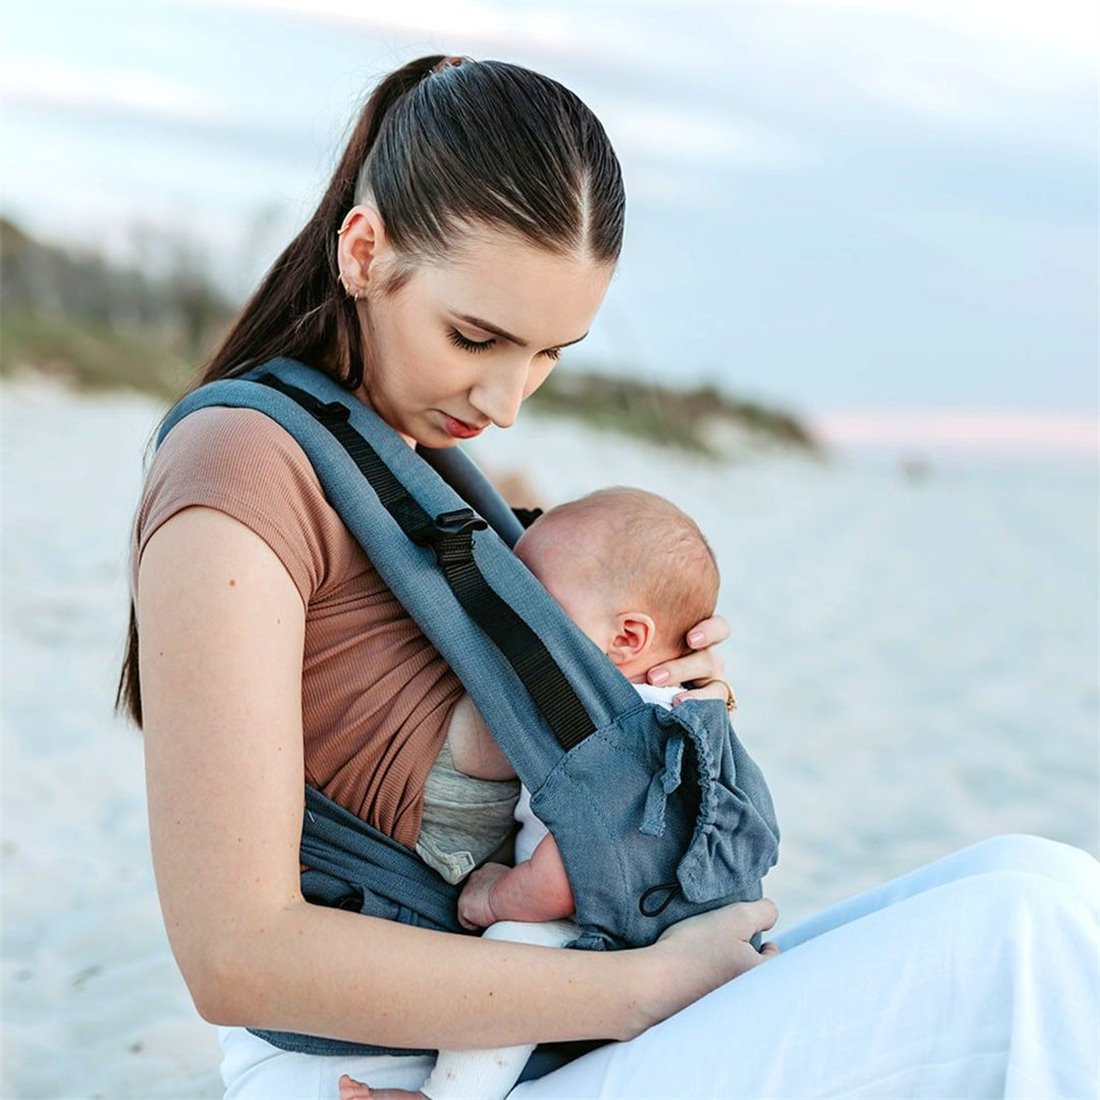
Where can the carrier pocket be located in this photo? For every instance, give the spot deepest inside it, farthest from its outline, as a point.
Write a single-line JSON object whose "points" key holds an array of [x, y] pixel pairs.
{"points": [[659, 815], [597, 802]]}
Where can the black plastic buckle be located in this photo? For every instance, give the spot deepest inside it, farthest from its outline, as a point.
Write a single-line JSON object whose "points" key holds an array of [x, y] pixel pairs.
{"points": [[332, 412], [451, 535]]}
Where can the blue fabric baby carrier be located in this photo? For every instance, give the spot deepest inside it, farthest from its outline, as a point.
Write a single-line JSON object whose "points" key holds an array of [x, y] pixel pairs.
{"points": [[659, 814]]}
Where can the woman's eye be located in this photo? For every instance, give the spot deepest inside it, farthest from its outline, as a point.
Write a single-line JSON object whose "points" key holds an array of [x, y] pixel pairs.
{"points": [[463, 344]]}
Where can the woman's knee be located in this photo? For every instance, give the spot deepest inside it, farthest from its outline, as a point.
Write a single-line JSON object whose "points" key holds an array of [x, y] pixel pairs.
{"points": [[1035, 925], [1036, 856]]}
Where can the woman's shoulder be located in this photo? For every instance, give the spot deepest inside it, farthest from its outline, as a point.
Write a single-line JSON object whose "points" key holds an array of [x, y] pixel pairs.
{"points": [[217, 456], [242, 463], [233, 441]]}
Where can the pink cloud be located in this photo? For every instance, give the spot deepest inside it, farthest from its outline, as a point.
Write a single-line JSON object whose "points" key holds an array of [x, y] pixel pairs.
{"points": [[963, 430]]}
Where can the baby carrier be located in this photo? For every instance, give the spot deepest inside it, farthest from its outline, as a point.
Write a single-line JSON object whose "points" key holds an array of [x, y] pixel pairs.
{"points": [[658, 814]]}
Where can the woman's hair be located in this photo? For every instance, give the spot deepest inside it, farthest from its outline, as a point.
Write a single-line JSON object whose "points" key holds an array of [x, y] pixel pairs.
{"points": [[444, 145]]}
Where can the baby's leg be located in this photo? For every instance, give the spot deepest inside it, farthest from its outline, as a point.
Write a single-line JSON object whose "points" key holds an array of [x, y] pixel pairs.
{"points": [[350, 1089], [490, 1074], [486, 1074]]}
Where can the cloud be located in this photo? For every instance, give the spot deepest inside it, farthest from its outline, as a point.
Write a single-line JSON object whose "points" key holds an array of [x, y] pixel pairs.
{"points": [[686, 133], [977, 67], [460, 23], [1062, 29], [148, 103], [469, 18], [47, 82]]}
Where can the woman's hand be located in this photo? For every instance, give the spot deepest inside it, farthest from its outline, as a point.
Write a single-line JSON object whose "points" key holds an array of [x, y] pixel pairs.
{"points": [[701, 953], [703, 664]]}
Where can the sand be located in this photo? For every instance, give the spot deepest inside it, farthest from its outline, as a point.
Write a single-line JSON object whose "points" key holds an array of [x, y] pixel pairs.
{"points": [[916, 663]]}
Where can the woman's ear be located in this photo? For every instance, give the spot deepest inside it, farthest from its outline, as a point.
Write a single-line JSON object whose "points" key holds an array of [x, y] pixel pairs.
{"points": [[362, 243], [633, 635]]}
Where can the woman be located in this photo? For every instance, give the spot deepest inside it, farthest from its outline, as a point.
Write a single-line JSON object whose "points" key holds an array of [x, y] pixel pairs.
{"points": [[468, 235]]}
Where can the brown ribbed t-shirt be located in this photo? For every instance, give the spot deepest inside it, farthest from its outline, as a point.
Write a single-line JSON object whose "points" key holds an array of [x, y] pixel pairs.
{"points": [[376, 694]]}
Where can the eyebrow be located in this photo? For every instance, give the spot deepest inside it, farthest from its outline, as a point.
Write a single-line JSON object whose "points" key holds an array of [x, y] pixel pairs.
{"points": [[477, 322]]}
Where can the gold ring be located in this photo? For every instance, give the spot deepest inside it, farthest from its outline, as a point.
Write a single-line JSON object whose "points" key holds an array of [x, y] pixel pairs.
{"points": [[731, 698]]}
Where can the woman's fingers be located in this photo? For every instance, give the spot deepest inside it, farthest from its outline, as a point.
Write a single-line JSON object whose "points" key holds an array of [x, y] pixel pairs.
{"points": [[740, 920], [702, 952], [350, 1089], [759, 915], [756, 958], [712, 631], [716, 690], [703, 663]]}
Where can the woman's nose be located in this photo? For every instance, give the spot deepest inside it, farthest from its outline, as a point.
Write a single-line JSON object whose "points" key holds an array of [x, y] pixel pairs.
{"points": [[500, 395]]}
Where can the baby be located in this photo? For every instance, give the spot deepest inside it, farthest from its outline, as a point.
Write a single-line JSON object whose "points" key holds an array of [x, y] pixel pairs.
{"points": [[635, 574]]}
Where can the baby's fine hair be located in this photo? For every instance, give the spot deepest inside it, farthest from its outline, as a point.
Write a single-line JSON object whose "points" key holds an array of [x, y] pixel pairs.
{"points": [[653, 554]]}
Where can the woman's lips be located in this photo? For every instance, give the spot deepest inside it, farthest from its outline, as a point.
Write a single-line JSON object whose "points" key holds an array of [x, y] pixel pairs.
{"points": [[460, 429]]}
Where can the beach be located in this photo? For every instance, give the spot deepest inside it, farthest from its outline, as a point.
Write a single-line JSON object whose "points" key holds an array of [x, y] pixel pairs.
{"points": [[915, 659]]}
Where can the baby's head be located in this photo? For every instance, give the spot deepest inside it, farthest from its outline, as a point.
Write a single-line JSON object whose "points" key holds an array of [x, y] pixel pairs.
{"points": [[629, 568]]}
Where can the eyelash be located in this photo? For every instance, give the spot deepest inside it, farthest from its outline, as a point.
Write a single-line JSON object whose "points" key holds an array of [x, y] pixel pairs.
{"points": [[475, 346], [463, 344]]}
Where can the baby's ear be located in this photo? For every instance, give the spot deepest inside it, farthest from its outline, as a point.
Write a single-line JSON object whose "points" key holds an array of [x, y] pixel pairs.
{"points": [[633, 635]]}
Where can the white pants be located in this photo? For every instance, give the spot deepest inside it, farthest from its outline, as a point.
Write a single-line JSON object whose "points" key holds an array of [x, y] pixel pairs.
{"points": [[976, 976]]}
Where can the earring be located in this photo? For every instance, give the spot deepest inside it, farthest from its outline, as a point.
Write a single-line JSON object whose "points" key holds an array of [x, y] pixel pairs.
{"points": [[347, 288]]}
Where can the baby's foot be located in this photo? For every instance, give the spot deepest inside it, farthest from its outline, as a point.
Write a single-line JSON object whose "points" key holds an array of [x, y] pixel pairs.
{"points": [[350, 1089]]}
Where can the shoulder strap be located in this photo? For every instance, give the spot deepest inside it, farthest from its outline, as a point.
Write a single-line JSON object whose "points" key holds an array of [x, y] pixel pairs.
{"points": [[524, 662], [451, 536]]}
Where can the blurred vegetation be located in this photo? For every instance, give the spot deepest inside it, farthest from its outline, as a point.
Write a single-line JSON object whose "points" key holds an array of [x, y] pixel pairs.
{"points": [[701, 419], [101, 325]]}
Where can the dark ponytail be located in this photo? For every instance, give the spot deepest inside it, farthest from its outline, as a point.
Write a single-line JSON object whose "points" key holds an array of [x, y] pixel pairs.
{"points": [[444, 143], [300, 309]]}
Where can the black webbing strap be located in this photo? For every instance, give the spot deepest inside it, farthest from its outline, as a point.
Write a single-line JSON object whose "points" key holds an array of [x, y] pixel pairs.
{"points": [[450, 534]]}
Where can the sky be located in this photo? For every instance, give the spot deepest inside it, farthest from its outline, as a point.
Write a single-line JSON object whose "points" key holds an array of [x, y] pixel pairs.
{"points": [[881, 215]]}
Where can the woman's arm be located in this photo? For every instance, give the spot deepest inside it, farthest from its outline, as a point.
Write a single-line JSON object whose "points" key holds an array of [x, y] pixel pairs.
{"points": [[222, 629]]}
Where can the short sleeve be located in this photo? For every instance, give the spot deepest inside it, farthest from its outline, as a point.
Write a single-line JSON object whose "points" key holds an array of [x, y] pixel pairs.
{"points": [[242, 463]]}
